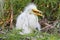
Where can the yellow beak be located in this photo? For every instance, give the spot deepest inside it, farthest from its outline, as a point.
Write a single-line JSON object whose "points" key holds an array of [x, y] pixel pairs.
{"points": [[37, 12]]}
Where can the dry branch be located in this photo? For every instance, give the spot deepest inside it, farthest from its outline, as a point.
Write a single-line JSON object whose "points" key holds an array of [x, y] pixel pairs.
{"points": [[45, 24], [11, 17]]}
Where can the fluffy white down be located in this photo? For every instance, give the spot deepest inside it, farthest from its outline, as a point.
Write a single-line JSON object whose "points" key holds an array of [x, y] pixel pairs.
{"points": [[27, 21]]}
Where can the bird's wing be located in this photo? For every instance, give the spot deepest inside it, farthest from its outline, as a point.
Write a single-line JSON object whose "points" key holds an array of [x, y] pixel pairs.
{"points": [[38, 26], [21, 21]]}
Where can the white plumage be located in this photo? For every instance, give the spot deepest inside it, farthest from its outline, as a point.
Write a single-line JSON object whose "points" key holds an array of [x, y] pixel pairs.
{"points": [[28, 20]]}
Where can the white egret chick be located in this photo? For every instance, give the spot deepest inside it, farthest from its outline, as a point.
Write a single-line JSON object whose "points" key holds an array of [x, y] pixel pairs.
{"points": [[28, 19]]}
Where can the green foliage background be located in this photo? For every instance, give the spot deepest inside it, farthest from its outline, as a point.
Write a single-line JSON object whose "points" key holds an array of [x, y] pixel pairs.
{"points": [[50, 8], [45, 5], [14, 35]]}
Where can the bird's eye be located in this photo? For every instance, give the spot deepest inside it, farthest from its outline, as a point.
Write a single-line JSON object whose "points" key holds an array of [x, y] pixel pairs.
{"points": [[35, 11]]}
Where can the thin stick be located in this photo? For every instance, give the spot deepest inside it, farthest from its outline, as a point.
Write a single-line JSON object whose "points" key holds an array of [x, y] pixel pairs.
{"points": [[11, 18]]}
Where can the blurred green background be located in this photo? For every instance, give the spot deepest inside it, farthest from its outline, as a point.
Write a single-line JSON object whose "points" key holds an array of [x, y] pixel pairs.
{"points": [[10, 9], [50, 9]]}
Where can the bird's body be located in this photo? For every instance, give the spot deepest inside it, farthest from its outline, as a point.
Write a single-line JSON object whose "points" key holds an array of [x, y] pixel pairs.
{"points": [[27, 21]]}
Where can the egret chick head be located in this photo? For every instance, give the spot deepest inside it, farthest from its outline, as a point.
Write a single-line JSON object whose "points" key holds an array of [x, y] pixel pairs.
{"points": [[32, 9], [29, 7]]}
